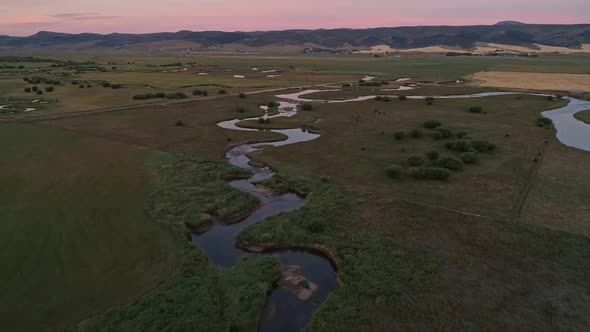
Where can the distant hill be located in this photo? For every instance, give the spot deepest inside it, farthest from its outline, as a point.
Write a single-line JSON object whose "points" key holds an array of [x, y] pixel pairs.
{"points": [[510, 23], [507, 32]]}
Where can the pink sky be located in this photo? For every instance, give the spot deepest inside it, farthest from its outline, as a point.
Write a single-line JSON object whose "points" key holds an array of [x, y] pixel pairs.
{"points": [[25, 17]]}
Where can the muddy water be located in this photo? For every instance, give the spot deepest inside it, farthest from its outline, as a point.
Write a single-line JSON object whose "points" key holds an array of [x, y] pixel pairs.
{"points": [[289, 306]]}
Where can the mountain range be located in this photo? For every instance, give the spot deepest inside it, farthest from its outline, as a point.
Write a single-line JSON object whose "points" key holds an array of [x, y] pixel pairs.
{"points": [[505, 32]]}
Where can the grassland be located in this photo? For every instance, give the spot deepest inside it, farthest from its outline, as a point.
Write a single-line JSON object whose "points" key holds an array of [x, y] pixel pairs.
{"points": [[412, 255], [358, 144], [533, 80], [583, 116], [74, 237]]}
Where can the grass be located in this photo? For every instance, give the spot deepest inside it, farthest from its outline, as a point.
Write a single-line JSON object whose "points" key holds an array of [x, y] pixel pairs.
{"points": [[408, 267], [533, 80], [200, 297], [154, 126], [358, 144], [74, 237], [583, 116], [203, 182]]}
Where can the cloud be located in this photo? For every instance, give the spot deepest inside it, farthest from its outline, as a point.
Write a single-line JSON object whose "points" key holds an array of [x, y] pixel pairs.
{"points": [[82, 16]]}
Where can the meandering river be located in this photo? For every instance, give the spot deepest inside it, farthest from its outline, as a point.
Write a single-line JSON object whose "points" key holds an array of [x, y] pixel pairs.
{"points": [[289, 307]]}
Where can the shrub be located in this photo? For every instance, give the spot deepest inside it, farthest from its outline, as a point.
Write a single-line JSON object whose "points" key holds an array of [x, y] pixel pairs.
{"points": [[378, 98], [481, 146], [386, 99], [105, 84], [35, 88], [267, 120], [160, 95], [261, 120], [469, 157], [241, 109], [433, 155], [242, 95], [140, 97], [459, 146], [403, 97], [307, 107], [205, 93], [429, 100], [81, 86], [476, 109], [399, 135], [462, 134], [444, 132], [116, 86], [273, 104], [431, 124], [395, 171], [27, 90], [550, 98], [179, 123], [197, 92], [543, 121], [176, 95], [451, 163], [437, 135], [49, 89], [88, 86], [417, 160], [221, 92], [39, 92], [416, 133]]}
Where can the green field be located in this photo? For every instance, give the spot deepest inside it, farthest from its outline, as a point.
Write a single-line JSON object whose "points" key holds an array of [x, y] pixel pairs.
{"points": [[583, 116], [75, 239], [97, 206]]}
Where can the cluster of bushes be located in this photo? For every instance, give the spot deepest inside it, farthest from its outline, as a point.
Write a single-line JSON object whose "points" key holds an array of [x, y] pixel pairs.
{"points": [[149, 96], [242, 95], [463, 145], [431, 124], [544, 122], [372, 83], [383, 98], [442, 133], [39, 91], [39, 80], [241, 109], [198, 92], [429, 100], [85, 86], [221, 92], [273, 104], [176, 95]]}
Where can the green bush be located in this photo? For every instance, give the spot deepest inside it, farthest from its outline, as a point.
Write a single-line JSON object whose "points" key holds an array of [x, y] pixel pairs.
{"points": [[378, 98], [451, 163], [307, 107], [431, 124], [417, 160], [179, 123], [469, 157], [462, 134], [459, 146], [176, 95], [403, 97], [39, 92], [221, 92], [476, 109], [416, 133], [433, 155], [27, 90], [429, 101], [273, 104], [241, 109], [444, 132], [242, 95], [261, 120], [544, 122], [395, 171], [35, 88], [49, 89], [104, 84], [386, 99], [116, 86], [399, 135], [481, 146], [197, 92], [205, 93]]}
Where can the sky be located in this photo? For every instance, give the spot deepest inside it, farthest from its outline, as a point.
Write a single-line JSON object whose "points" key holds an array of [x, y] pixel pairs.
{"points": [[26, 17]]}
